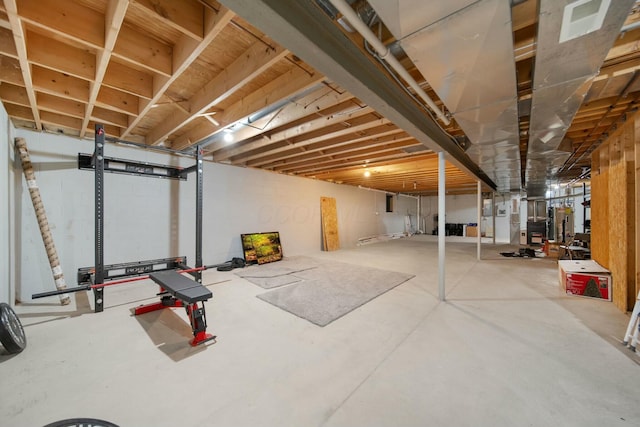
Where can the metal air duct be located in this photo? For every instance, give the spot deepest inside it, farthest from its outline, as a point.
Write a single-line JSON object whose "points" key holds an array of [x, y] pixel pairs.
{"points": [[464, 49], [573, 40]]}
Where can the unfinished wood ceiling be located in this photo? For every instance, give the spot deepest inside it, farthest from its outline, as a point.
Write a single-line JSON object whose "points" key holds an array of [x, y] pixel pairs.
{"points": [[193, 72]]}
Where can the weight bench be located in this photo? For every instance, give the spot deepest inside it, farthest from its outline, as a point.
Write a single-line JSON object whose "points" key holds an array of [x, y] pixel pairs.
{"points": [[177, 290]]}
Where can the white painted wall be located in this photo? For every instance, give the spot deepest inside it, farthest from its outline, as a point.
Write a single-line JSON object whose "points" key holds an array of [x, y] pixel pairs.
{"points": [[147, 218], [463, 209], [460, 209]]}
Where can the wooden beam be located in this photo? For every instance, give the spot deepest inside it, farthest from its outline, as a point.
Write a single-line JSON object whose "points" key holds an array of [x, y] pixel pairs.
{"points": [[70, 20], [316, 101], [359, 127], [524, 14], [116, 10], [61, 120], [4, 19], [62, 57], [56, 104], [144, 51], [332, 149], [19, 35], [245, 68], [19, 112], [60, 84], [333, 156], [185, 53], [10, 71], [315, 124], [103, 115], [7, 44], [118, 101], [14, 94], [613, 70], [128, 79], [627, 43], [185, 15], [282, 87]]}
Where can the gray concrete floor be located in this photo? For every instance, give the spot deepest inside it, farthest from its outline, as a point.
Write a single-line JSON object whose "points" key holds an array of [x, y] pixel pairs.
{"points": [[507, 348]]}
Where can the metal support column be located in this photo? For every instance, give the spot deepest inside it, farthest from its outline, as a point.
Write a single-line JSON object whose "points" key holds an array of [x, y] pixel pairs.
{"points": [[441, 222], [493, 215], [479, 236], [199, 185], [98, 158]]}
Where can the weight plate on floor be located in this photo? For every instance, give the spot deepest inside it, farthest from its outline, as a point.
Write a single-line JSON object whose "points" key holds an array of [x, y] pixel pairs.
{"points": [[81, 422], [11, 332]]}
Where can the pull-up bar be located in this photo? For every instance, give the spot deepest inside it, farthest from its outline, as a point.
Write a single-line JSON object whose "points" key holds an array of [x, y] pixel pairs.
{"points": [[97, 278]]}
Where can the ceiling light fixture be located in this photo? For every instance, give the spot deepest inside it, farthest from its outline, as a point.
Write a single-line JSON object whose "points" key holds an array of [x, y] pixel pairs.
{"points": [[367, 174]]}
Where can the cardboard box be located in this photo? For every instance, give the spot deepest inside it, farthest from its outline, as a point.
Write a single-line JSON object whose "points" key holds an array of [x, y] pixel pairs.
{"points": [[472, 231], [585, 278], [552, 249]]}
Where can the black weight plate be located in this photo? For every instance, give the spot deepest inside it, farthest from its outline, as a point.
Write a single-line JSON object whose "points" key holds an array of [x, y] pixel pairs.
{"points": [[11, 332], [81, 422]]}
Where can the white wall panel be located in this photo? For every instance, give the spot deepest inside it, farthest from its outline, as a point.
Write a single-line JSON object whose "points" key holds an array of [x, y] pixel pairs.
{"points": [[147, 218]]}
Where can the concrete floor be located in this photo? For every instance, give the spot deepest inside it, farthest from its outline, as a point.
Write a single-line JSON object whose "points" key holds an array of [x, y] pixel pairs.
{"points": [[507, 348]]}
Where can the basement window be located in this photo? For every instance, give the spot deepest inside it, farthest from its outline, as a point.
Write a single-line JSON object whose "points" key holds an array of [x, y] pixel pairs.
{"points": [[389, 202]]}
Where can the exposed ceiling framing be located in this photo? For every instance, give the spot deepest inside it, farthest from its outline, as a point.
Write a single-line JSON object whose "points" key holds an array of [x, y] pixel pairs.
{"points": [[294, 90]]}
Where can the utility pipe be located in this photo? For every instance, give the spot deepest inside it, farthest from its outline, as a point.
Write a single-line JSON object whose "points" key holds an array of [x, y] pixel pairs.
{"points": [[385, 54], [41, 216]]}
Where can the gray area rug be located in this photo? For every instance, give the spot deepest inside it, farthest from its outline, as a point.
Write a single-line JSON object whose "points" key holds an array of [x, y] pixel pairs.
{"points": [[321, 292]]}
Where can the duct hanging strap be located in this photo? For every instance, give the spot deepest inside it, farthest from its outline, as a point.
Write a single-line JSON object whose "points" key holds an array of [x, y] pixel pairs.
{"points": [[47, 238]]}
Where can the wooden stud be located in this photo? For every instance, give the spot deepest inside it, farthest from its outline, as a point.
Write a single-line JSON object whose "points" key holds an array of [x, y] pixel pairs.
{"points": [[14, 94], [61, 57], [60, 84], [127, 79], [335, 147], [66, 19], [19, 38], [7, 44], [117, 100], [185, 16], [252, 63], [143, 50], [55, 104], [10, 71], [317, 101], [106, 116], [19, 111], [60, 120], [315, 124], [289, 83], [214, 24], [113, 20]]}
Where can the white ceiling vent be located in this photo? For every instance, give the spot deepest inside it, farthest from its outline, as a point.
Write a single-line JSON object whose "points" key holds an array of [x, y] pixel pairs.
{"points": [[582, 17]]}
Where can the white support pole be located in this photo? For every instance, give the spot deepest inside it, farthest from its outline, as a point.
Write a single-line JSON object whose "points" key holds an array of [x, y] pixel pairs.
{"points": [[479, 236], [441, 219], [493, 215]]}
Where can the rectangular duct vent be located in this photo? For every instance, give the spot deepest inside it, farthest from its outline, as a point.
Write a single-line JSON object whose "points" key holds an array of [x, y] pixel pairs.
{"points": [[582, 17]]}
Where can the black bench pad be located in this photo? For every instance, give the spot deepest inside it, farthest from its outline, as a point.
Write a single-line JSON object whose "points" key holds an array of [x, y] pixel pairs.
{"points": [[181, 287]]}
